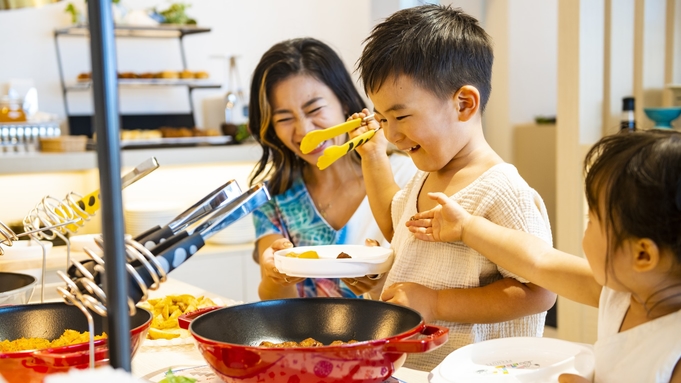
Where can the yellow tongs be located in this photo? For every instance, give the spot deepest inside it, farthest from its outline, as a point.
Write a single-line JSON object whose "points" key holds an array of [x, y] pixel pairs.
{"points": [[333, 153]]}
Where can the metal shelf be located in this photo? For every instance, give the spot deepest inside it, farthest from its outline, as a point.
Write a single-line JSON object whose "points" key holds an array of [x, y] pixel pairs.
{"points": [[131, 83], [160, 31]]}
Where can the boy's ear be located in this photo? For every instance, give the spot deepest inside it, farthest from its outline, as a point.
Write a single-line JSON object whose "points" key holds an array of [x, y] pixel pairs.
{"points": [[467, 102], [645, 255]]}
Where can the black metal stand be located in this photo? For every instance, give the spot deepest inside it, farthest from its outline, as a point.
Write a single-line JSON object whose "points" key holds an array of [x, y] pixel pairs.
{"points": [[106, 120]]}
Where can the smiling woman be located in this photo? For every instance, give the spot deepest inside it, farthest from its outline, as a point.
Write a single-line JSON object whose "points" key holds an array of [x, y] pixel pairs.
{"points": [[300, 86]]}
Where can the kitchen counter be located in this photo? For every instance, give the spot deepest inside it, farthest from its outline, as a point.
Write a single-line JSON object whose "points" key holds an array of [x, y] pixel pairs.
{"points": [[38, 162]]}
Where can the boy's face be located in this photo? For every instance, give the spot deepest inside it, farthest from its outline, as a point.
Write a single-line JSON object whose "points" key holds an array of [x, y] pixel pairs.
{"points": [[419, 123]]}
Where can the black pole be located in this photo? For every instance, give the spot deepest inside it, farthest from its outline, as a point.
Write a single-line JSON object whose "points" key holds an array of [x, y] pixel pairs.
{"points": [[106, 121]]}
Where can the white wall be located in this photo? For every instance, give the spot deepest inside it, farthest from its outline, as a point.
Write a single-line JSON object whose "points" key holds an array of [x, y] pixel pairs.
{"points": [[245, 28]]}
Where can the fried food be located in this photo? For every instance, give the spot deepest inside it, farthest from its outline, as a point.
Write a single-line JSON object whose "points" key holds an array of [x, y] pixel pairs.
{"points": [[305, 254], [309, 342], [68, 338], [166, 310], [343, 255]]}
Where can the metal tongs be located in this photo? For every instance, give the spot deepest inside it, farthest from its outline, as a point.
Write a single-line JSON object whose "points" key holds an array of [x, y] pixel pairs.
{"points": [[333, 153]]}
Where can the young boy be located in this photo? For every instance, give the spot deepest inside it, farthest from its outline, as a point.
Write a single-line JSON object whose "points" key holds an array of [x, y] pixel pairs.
{"points": [[427, 71]]}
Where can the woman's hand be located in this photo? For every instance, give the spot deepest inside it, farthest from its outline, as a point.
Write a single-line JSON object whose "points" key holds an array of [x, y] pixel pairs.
{"points": [[415, 296], [378, 144], [367, 283], [443, 223], [269, 269]]}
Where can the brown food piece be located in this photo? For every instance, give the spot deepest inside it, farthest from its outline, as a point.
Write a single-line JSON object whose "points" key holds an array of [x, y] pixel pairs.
{"points": [[201, 74], [127, 75], [309, 342], [343, 255], [186, 74], [84, 76], [147, 75]]}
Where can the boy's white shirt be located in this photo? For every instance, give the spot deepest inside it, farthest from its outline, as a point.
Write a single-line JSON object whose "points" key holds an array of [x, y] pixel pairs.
{"points": [[501, 196], [646, 353]]}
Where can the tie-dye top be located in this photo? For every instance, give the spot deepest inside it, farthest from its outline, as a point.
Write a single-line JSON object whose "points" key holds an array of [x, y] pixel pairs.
{"points": [[306, 227]]}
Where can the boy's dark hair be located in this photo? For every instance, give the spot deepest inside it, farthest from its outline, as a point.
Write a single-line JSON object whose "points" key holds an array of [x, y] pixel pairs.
{"points": [[440, 48], [633, 185], [303, 56]]}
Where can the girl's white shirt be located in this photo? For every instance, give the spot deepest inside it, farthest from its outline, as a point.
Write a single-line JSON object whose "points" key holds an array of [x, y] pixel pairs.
{"points": [[646, 353]]}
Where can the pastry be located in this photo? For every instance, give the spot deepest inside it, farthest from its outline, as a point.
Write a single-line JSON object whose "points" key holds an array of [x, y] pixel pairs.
{"points": [[186, 74], [201, 74], [169, 74]]}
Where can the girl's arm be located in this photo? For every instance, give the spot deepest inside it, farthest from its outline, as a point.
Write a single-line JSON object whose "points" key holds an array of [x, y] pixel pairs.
{"points": [[378, 176], [273, 284], [518, 252]]}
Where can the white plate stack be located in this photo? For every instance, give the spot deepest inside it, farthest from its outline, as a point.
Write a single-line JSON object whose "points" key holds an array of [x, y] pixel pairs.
{"points": [[142, 216], [241, 231]]}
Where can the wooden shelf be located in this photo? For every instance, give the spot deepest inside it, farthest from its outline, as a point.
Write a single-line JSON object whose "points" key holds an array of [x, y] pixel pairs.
{"points": [[160, 31]]}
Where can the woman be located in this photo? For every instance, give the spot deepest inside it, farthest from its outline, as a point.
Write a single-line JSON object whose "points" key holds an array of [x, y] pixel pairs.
{"points": [[298, 86]]}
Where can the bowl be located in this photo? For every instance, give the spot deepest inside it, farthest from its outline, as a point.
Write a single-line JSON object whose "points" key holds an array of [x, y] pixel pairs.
{"points": [[16, 288], [25, 250], [663, 117]]}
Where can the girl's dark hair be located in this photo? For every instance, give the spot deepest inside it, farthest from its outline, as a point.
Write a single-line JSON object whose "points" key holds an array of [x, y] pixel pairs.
{"points": [[304, 56], [440, 48], [633, 185]]}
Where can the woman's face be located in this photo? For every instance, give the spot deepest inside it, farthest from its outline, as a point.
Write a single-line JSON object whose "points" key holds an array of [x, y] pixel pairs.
{"points": [[301, 104]]}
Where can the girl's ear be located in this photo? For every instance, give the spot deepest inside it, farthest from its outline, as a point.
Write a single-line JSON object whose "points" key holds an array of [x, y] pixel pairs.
{"points": [[646, 255], [467, 102]]}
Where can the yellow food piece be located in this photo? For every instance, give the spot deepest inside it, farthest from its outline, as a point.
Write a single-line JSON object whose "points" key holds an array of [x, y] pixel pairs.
{"points": [[311, 254], [166, 310], [68, 338]]}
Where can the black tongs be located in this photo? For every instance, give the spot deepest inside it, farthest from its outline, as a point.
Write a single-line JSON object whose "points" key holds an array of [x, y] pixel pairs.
{"points": [[217, 198]]}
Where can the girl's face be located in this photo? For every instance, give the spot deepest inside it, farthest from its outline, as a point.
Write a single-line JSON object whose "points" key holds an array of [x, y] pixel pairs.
{"points": [[419, 123], [595, 246], [301, 104]]}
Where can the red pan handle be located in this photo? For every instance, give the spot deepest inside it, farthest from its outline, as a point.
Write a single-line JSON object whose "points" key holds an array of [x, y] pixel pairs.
{"points": [[185, 320], [435, 336]]}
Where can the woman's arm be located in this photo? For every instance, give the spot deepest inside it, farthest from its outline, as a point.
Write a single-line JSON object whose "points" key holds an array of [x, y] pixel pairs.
{"points": [[273, 284], [518, 252]]}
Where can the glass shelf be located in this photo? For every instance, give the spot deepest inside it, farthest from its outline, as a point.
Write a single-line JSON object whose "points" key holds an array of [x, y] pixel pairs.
{"points": [[163, 30]]}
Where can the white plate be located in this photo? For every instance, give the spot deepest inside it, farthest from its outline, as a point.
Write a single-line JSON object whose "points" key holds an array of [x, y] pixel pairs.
{"points": [[516, 360], [365, 260]]}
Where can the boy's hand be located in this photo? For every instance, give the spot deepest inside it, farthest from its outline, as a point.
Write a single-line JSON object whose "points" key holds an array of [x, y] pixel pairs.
{"points": [[414, 296], [267, 264], [377, 145], [361, 285], [443, 223]]}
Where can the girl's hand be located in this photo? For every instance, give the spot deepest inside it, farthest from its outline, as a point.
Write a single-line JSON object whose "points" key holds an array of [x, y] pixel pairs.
{"points": [[267, 264], [415, 296], [571, 378], [443, 223], [377, 145]]}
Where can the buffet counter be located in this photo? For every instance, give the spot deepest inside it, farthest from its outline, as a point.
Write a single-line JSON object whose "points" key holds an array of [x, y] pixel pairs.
{"points": [[151, 362]]}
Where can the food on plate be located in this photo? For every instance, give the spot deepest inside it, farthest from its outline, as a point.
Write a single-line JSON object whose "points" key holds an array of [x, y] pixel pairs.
{"points": [[146, 75], [343, 255], [311, 254], [201, 74], [68, 338], [186, 74], [309, 342], [84, 76], [166, 310], [172, 378], [168, 74]]}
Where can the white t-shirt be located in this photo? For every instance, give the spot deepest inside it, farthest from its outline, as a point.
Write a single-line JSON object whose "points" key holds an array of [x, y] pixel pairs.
{"points": [[362, 224], [501, 196], [646, 353]]}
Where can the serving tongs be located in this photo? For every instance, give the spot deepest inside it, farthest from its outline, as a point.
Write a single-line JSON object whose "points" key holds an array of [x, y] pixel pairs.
{"points": [[218, 197], [156, 263], [334, 152]]}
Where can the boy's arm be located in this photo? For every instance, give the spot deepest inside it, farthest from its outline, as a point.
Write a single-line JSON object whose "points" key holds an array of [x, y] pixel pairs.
{"points": [[378, 176], [518, 252], [503, 300]]}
